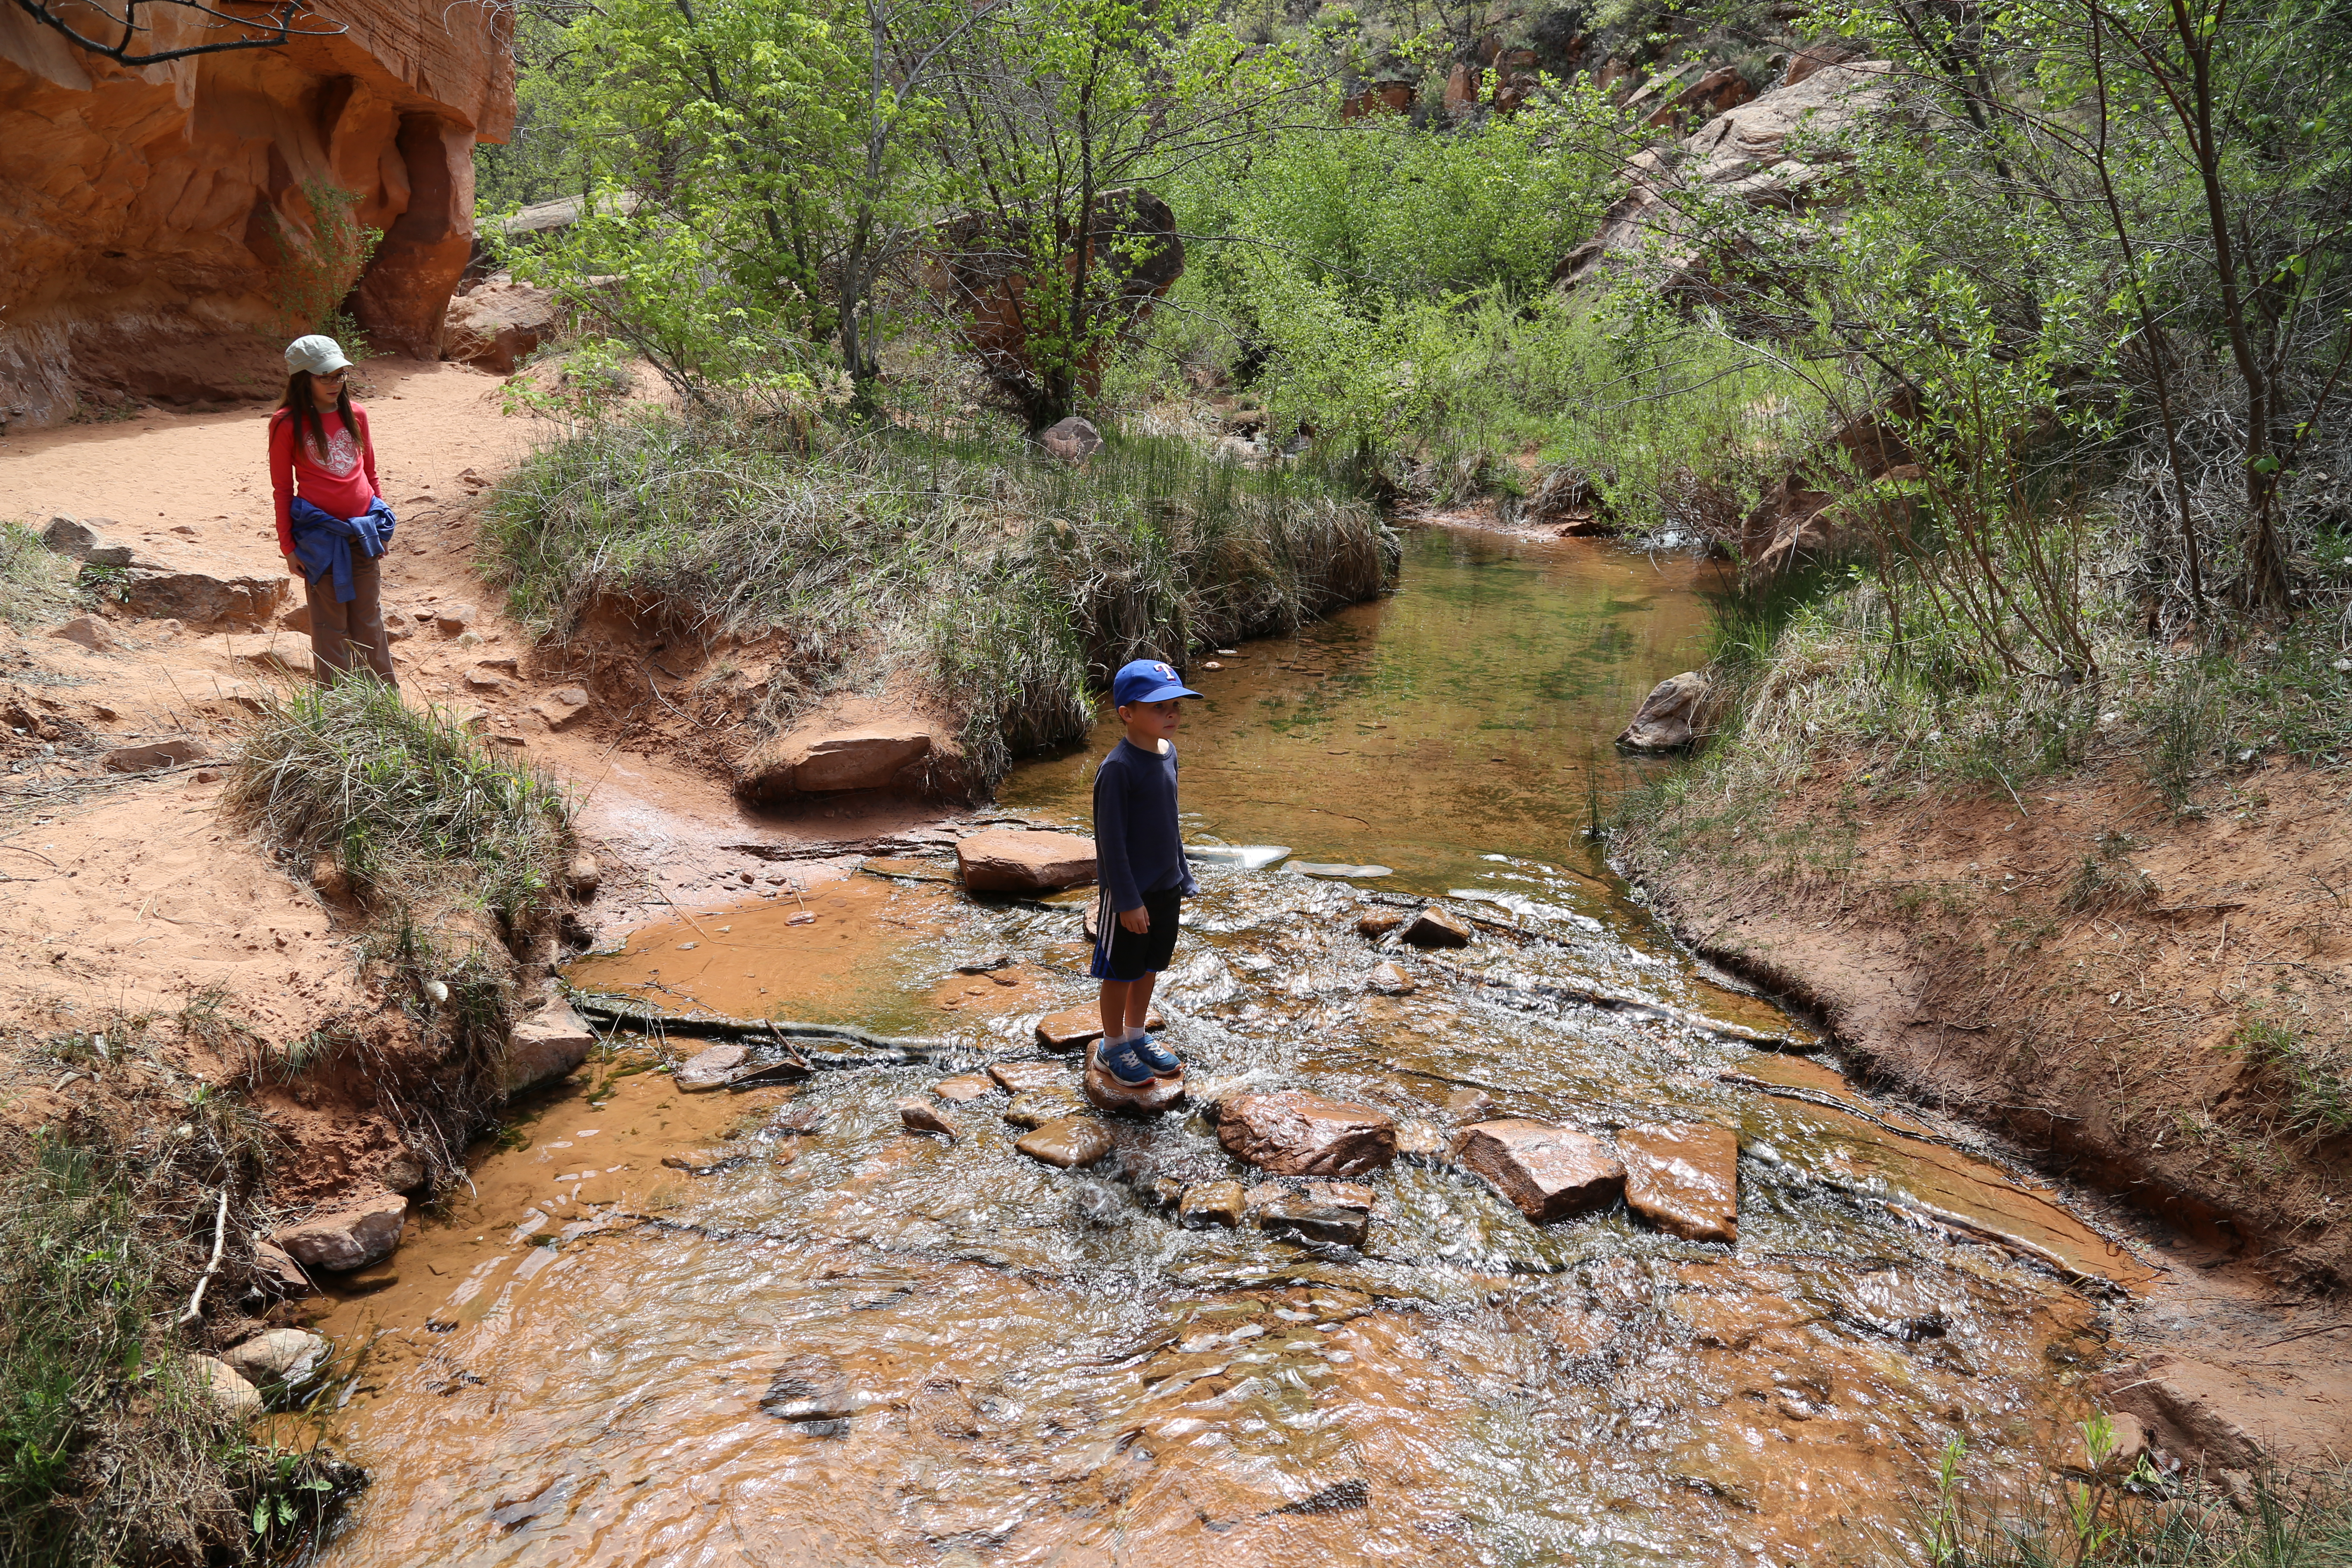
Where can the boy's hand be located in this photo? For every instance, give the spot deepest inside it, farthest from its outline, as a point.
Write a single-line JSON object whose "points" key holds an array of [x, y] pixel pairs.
{"points": [[1137, 920]]}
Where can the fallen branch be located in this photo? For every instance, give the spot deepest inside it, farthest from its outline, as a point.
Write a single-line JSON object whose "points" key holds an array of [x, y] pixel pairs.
{"points": [[870, 1049], [220, 1240]]}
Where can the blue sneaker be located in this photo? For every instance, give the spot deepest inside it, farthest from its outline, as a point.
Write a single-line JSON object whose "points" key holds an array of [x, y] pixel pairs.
{"points": [[1163, 1062], [1122, 1062]]}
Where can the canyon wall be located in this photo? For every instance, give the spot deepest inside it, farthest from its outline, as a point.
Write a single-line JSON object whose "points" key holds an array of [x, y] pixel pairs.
{"points": [[166, 230]]}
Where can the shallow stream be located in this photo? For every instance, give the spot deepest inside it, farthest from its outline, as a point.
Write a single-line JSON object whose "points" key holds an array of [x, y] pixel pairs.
{"points": [[845, 1343]]}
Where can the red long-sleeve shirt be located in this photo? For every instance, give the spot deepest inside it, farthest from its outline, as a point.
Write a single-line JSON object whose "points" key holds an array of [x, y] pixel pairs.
{"points": [[344, 484]]}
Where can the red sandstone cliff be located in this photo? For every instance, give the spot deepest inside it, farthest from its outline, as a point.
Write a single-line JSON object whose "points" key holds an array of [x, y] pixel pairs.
{"points": [[154, 222]]}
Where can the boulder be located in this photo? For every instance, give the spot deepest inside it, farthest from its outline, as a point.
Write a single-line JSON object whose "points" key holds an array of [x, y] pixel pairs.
{"points": [[1071, 440], [362, 1230], [1548, 1172], [220, 1386], [1293, 1134], [1211, 1202], [494, 325], [1150, 1097], [1675, 714], [711, 1069], [279, 1355], [819, 759], [920, 1116], [87, 631], [144, 759], [1684, 1177], [1434, 927], [1002, 861], [1073, 1140], [207, 599], [1291, 1219], [547, 1044]]}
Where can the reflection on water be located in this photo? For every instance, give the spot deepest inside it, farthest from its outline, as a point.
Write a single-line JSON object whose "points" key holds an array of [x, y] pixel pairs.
{"points": [[848, 1344]]}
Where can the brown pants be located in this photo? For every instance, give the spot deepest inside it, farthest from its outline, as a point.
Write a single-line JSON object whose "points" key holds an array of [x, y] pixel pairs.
{"points": [[349, 636]]}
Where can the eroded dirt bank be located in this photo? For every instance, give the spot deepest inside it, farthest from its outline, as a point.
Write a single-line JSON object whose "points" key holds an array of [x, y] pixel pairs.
{"points": [[2134, 998]]}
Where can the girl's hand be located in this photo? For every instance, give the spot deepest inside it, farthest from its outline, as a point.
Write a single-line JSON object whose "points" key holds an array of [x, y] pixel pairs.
{"points": [[293, 564], [1137, 921]]}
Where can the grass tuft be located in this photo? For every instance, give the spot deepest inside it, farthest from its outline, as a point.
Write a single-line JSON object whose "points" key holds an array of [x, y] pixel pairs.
{"points": [[35, 582]]}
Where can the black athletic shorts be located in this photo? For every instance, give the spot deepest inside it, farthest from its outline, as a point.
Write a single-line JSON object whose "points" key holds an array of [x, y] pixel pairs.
{"points": [[1120, 953]]}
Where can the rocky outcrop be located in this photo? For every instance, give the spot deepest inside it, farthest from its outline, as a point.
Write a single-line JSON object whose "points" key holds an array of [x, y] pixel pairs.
{"points": [[494, 327], [1777, 151], [1548, 1172], [1295, 1135], [1675, 714], [1007, 860], [168, 226]]}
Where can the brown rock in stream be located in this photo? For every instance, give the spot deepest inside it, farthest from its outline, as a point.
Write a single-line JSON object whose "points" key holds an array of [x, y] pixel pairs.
{"points": [[1211, 1202], [709, 1069], [710, 1162], [367, 1228], [1434, 927], [1376, 924], [1548, 1172], [962, 1087], [1075, 1026], [1002, 861], [919, 1117], [1150, 1097], [1293, 1220], [1466, 1105], [1684, 1178], [1036, 1107], [1019, 1077], [546, 1045], [1389, 980], [1297, 1134], [1073, 1141]]}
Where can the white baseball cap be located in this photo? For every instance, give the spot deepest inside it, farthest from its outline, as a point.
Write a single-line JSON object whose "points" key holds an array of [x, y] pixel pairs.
{"points": [[317, 354]]}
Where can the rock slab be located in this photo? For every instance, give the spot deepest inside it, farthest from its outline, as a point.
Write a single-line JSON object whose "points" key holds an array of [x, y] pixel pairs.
{"points": [[1002, 860], [1548, 1172], [1067, 1142], [1297, 1134], [362, 1231], [825, 758], [1211, 1202], [1684, 1177]]}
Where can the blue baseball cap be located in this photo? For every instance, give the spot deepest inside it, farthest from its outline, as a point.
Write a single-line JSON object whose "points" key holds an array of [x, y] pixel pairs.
{"points": [[1147, 680]]}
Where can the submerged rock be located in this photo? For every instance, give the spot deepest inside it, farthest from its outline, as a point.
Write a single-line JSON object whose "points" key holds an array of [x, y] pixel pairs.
{"points": [[1018, 1078], [1684, 1178], [1375, 924], [710, 1162], [1548, 1172], [1036, 1107], [711, 1069], [1341, 1194], [1434, 927], [1294, 1219], [1420, 1142], [1211, 1202], [1466, 1105], [1003, 860], [810, 1388], [1297, 1134], [1070, 1142]]}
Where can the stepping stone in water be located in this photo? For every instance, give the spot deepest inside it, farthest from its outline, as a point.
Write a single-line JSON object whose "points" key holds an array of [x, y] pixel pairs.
{"points": [[1211, 1202], [963, 1087], [1075, 1026], [1073, 1140], [1297, 1134], [1147, 1098], [1016, 1078], [1548, 1172], [1684, 1178]]}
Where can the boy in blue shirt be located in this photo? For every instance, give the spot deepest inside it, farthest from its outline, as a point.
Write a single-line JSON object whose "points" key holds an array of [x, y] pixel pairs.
{"points": [[1140, 860]]}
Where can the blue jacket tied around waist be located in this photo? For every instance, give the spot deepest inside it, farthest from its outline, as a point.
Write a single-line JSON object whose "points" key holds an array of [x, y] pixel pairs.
{"points": [[323, 543]]}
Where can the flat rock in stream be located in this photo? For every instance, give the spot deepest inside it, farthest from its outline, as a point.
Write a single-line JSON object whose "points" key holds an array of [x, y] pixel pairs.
{"points": [[1068, 1142], [547, 1046], [1684, 1177], [1294, 1219], [710, 1069], [1019, 1077], [1211, 1202], [1150, 1097], [1003, 860], [1074, 1027], [1548, 1172], [1036, 1107], [1434, 927], [1291, 1133], [963, 1087], [361, 1230]]}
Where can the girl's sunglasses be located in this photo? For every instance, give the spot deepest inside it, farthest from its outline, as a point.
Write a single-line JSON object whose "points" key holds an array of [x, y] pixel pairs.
{"points": [[328, 374]]}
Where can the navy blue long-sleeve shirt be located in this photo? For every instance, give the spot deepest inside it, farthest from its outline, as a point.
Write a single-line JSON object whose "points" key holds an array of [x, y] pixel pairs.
{"points": [[1137, 847]]}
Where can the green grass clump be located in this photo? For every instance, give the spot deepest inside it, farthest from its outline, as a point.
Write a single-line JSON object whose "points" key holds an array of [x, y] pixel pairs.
{"points": [[999, 582], [110, 1454], [416, 813], [35, 582], [2314, 1075]]}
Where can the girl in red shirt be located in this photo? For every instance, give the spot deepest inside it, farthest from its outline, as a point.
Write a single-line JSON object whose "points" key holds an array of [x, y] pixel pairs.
{"points": [[319, 452]]}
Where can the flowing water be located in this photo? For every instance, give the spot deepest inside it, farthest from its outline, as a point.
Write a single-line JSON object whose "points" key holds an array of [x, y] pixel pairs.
{"points": [[843, 1343]]}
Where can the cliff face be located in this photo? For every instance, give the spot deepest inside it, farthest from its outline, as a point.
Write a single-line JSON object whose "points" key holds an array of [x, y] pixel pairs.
{"points": [[164, 229]]}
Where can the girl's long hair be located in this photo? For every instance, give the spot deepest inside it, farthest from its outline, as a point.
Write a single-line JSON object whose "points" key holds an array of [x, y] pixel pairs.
{"points": [[305, 409]]}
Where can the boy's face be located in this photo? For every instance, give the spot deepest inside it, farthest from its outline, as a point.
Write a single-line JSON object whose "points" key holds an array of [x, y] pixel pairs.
{"points": [[1148, 723]]}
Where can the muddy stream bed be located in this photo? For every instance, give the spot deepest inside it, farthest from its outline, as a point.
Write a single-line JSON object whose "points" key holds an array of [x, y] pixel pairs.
{"points": [[816, 1338]]}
